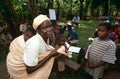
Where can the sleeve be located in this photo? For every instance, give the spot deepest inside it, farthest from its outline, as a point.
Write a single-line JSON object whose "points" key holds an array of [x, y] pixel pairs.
{"points": [[109, 56], [73, 20], [31, 55], [78, 19], [86, 54]]}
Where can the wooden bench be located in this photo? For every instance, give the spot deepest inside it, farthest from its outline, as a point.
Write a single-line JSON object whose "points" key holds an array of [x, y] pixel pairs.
{"points": [[74, 66]]}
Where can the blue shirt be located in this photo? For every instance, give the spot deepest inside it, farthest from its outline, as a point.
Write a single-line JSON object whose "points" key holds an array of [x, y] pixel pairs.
{"points": [[73, 34]]}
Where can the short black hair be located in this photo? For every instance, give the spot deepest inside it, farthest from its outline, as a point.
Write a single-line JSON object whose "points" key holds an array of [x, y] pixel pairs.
{"points": [[30, 29], [107, 25], [60, 36], [58, 26]]}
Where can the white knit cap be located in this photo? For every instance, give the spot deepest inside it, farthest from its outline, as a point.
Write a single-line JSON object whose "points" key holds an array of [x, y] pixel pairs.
{"points": [[38, 20]]}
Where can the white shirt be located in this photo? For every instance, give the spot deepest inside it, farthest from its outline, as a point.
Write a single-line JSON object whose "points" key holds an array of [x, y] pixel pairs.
{"points": [[34, 46], [76, 19]]}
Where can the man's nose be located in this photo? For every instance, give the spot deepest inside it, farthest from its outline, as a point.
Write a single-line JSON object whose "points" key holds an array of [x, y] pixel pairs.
{"points": [[50, 29]]}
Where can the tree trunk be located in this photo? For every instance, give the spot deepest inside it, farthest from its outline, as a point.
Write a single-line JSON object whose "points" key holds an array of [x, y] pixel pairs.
{"points": [[34, 9], [81, 9], [106, 7], [58, 11], [118, 12], [10, 17]]}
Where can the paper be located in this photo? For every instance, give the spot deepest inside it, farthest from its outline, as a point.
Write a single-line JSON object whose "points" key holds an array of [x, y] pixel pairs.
{"points": [[90, 39], [74, 49], [52, 14], [67, 44]]}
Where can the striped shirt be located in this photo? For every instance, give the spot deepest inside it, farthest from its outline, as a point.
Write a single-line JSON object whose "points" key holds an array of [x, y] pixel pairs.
{"points": [[101, 50]]}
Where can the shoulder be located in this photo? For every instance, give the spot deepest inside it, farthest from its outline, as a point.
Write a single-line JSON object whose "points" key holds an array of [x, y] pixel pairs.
{"points": [[19, 41], [19, 38], [33, 40], [111, 44], [96, 38]]}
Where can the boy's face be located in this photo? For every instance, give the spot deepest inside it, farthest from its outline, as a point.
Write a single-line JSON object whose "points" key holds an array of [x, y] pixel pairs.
{"points": [[57, 30], [61, 41], [46, 30], [27, 35], [103, 32]]}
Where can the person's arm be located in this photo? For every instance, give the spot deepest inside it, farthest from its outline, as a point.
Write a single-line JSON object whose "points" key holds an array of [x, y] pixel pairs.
{"points": [[101, 63], [91, 65], [63, 53], [40, 63]]}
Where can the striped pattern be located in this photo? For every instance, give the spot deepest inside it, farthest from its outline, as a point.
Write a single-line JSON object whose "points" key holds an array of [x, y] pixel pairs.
{"points": [[101, 50]]}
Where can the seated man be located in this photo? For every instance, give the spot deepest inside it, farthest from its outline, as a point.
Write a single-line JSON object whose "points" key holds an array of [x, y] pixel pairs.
{"points": [[76, 20], [73, 37], [34, 58]]}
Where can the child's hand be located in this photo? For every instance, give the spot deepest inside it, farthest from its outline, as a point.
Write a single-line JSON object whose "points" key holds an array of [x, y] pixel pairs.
{"points": [[62, 50], [54, 53], [91, 65]]}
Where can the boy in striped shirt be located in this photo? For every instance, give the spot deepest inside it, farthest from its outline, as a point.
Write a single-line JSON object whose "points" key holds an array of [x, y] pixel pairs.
{"points": [[101, 52]]}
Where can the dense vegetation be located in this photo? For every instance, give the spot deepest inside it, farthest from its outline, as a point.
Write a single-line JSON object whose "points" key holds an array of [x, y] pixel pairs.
{"points": [[14, 11]]}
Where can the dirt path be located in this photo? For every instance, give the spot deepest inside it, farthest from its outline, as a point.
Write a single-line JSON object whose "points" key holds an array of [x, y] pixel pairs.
{"points": [[3, 71]]}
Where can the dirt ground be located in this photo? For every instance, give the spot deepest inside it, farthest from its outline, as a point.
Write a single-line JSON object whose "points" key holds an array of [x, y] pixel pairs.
{"points": [[3, 71]]}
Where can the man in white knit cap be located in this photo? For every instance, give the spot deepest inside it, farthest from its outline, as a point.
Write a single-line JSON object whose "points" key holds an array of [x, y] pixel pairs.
{"points": [[38, 55], [37, 50]]}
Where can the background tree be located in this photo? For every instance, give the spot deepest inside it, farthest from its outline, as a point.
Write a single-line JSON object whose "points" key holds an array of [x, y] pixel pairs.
{"points": [[10, 17], [28, 9]]}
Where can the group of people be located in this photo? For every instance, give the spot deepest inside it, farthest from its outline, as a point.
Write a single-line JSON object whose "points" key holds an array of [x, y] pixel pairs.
{"points": [[32, 55]]}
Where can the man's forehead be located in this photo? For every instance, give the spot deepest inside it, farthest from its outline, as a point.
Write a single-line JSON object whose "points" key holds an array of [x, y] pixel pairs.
{"points": [[45, 23]]}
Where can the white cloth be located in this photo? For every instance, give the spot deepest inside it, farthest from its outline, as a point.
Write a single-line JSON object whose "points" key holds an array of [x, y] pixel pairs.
{"points": [[34, 46], [86, 54], [76, 19]]}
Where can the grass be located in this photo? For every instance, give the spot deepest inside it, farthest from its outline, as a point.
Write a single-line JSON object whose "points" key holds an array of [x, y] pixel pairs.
{"points": [[85, 30]]}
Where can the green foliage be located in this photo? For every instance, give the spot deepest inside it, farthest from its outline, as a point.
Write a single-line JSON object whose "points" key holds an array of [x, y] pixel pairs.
{"points": [[116, 3], [97, 3], [21, 8], [68, 8], [3, 55]]}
